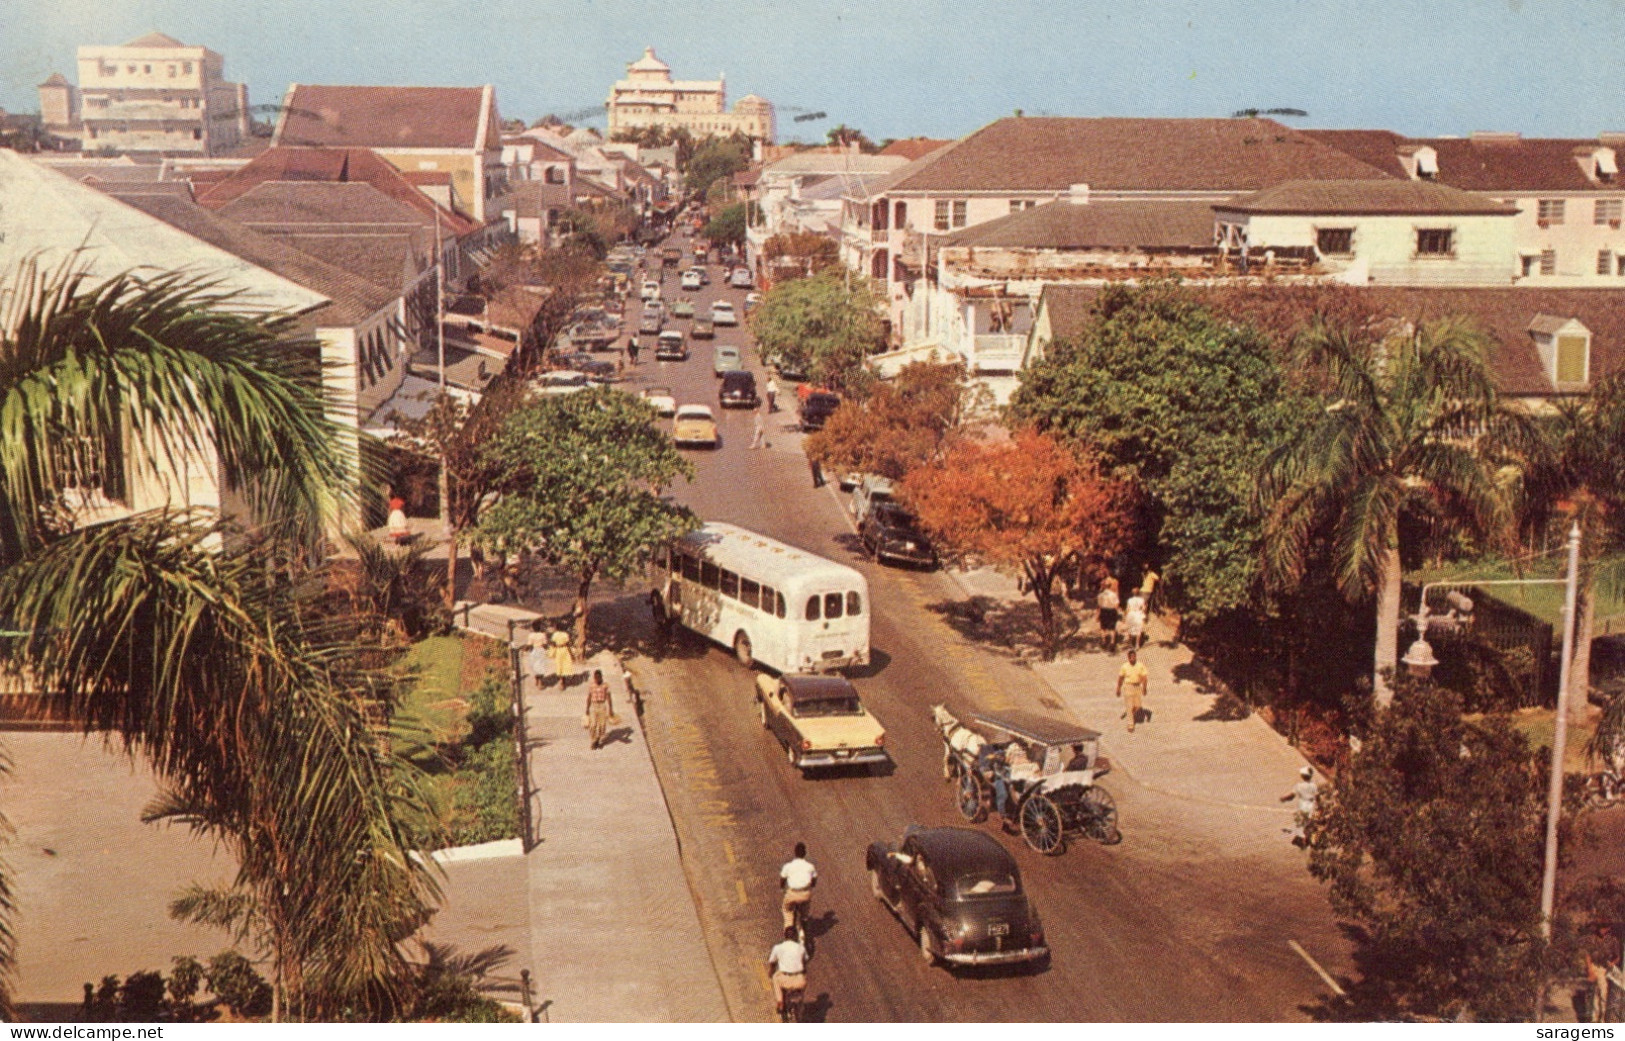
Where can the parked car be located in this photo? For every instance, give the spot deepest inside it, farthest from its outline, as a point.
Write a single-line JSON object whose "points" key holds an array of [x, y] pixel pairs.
{"points": [[738, 390], [600, 372], [691, 280], [703, 329], [726, 359], [788, 370], [820, 721], [870, 491], [816, 408], [959, 891], [682, 308], [722, 313], [671, 346], [695, 425], [752, 301], [561, 381], [662, 400], [651, 289], [592, 335], [650, 322], [890, 532], [741, 278]]}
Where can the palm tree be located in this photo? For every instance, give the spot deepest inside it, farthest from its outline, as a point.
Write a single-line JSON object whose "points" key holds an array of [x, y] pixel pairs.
{"points": [[1404, 432], [1574, 473], [185, 639]]}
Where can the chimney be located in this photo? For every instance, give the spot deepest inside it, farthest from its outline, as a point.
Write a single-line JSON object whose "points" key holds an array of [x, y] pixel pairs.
{"points": [[1078, 195]]}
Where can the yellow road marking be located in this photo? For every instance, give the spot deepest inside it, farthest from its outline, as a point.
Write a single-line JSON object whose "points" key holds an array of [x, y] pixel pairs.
{"points": [[744, 898], [728, 851]]}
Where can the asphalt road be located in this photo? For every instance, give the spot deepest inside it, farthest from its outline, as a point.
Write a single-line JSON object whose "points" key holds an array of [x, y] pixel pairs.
{"points": [[1188, 919]]}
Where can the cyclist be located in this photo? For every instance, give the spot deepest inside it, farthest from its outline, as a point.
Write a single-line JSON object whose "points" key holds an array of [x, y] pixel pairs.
{"points": [[788, 960], [797, 878]]}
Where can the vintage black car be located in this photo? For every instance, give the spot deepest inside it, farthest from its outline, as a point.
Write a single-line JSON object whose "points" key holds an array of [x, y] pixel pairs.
{"points": [[738, 391], [890, 532], [817, 408], [960, 892]]}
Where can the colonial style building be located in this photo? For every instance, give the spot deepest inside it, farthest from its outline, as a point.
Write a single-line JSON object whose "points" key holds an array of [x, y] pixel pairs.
{"points": [[649, 97]]}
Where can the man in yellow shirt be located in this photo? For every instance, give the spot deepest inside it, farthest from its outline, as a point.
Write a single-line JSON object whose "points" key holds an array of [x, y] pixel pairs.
{"points": [[1132, 680]]}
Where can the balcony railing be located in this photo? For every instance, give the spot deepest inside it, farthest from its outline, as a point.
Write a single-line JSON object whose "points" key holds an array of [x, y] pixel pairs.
{"points": [[999, 352]]}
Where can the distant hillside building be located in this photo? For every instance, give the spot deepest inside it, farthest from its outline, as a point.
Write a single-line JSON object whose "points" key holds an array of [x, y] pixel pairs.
{"points": [[153, 94], [648, 96]]}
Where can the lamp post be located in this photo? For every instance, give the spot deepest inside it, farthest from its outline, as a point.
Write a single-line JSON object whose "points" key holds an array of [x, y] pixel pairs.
{"points": [[1419, 661]]}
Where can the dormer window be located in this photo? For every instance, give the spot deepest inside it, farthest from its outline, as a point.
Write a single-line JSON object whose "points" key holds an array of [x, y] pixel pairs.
{"points": [[1564, 345], [1427, 164]]}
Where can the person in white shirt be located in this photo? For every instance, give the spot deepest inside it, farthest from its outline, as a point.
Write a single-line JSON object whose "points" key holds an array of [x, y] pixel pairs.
{"points": [[1306, 792], [788, 960], [1134, 621], [797, 878]]}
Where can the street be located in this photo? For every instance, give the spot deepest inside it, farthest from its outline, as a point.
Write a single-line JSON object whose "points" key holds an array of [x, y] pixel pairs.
{"points": [[1189, 919]]}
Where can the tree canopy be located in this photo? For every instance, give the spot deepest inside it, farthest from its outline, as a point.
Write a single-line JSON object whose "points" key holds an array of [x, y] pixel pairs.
{"points": [[824, 325], [901, 424], [715, 159], [797, 253], [727, 226]]}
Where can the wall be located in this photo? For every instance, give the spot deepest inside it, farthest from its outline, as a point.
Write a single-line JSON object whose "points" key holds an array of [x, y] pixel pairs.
{"points": [[1483, 246]]}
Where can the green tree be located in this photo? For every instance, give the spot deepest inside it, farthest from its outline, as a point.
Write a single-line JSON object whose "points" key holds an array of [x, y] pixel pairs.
{"points": [[1185, 404], [825, 326], [844, 136], [1430, 844], [584, 480], [794, 254], [1407, 429], [715, 160], [727, 227], [186, 639]]}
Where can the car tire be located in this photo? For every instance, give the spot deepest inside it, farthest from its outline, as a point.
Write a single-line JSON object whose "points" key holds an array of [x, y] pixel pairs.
{"points": [[742, 651], [790, 753]]}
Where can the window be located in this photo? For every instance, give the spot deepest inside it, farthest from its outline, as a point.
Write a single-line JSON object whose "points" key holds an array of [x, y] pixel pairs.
{"points": [[1434, 242], [750, 592], [942, 215], [832, 605], [1549, 211], [107, 69], [709, 574], [730, 584], [1571, 359], [812, 608], [1605, 262], [959, 213], [900, 215], [130, 69], [186, 68], [146, 70], [1018, 205], [1607, 211], [950, 213], [197, 134], [854, 603], [555, 175], [1334, 241], [172, 71], [1548, 262], [691, 568]]}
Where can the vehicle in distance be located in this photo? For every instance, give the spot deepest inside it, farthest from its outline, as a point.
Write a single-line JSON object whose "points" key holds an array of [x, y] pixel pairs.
{"points": [[890, 532], [871, 490], [773, 604], [788, 369], [682, 308], [691, 280], [703, 329], [671, 346], [738, 390], [671, 256], [816, 408], [959, 891], [741, 278], [726, 359], [599, 372], [561, 381], [722, 313], [820, 721], [662, 400], [650, 322], [592, 334], [695, 425], [752, 301], [650, 290]]}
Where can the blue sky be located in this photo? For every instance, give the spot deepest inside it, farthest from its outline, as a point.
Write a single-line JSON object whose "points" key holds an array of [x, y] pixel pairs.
{"points": [[902, 67]]}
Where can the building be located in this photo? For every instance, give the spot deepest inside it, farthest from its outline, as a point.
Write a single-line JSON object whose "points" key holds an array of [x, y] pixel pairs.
{"points": [[450, 136], [153, 94], [649, 97]]}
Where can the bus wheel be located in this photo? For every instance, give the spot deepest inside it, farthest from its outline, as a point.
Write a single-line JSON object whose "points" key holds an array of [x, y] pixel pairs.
{"points": [[742, 651]]}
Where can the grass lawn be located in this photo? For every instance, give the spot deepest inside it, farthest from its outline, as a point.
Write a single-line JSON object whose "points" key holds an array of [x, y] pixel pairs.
{"points": [[433, 701], [1543, 601], [1536, 724]]}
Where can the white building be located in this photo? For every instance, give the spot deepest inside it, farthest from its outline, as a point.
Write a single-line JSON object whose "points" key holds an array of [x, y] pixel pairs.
{"points": [[649, 97], [155, 94]]}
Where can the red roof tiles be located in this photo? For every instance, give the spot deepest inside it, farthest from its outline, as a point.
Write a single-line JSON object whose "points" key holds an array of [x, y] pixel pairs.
{"points": [[383, 117]]}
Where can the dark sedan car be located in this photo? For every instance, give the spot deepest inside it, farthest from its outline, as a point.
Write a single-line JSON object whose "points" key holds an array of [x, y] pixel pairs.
{"points": [[960, 892], [890, 532], [738, 391], [816, 408]]}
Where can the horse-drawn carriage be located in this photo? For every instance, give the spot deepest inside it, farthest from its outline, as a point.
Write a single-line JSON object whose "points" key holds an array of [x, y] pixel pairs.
{"points": [[1038, 772]]}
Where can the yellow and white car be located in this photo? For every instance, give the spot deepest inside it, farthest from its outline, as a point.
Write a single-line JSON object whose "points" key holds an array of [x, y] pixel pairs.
{"points": [[820, 721], [695, 425]]}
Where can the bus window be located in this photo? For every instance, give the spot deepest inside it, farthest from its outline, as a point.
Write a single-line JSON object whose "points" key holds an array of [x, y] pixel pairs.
{"points": [[854, 603], [832, 605], [691, 568], [730, 584], [708, 574], [778, 606], [812, 608], [750, 592]]}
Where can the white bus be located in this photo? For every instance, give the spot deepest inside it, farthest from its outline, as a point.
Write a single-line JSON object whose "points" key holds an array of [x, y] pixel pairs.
{"points": [[773, 604]]}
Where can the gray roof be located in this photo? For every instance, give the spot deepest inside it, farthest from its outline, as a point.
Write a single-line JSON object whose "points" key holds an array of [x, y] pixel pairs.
{"points": [[1100, 225], [1418, 198]]}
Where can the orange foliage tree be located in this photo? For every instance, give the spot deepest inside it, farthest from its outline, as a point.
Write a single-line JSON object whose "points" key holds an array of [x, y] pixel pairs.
{"points": [[1028, 505]]}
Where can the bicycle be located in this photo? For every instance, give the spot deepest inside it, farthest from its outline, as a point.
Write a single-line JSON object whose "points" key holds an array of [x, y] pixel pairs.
{"points": [[798, 919]]}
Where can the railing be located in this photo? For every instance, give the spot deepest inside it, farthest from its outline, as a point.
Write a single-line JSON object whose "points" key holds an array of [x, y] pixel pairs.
{"points": [[521, 763], [999, 352]]}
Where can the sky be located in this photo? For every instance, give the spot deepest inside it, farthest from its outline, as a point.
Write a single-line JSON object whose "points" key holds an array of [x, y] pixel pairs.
{"points": [[899, 68]]}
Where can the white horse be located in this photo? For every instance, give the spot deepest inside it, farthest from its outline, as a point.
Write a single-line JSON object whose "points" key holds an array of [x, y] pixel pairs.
{"points": [[956, 737]]}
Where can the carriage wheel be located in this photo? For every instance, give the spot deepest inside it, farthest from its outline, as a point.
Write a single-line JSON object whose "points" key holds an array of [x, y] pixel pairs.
{"points": [[1041, 826], [1100, 816], [972, 804]]}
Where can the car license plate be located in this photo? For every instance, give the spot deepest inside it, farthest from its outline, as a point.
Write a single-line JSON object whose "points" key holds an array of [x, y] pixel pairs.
{"points": [[999, 929], [832, 654]]}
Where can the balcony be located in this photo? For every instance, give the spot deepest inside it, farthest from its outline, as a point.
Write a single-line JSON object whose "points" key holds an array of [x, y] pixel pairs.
{"points": [[999, 352]]}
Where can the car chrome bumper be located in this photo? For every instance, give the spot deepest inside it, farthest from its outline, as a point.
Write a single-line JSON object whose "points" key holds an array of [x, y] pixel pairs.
{"points": [[907, 556], [862, 757], [996, 957]]}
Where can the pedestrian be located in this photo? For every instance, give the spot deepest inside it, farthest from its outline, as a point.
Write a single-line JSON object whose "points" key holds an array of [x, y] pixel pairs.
{"points": [[599, 711], [632, 350], [536, 657], [817, 469], [1132, 681], [772, 394], [1134, 621], [1305, 792], [761, 429], [564, 662], [1107, 606], [1148, 586]]}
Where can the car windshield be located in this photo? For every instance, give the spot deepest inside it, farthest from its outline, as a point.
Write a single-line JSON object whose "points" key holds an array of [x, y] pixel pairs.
{"points": [[829, 707], [657, 392], [891, 515], [690, 412], [823, 401], [986, 882]]}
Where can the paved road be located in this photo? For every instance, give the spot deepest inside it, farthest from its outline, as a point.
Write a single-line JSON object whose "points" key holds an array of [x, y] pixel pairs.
{"points": [[1188, 919]]}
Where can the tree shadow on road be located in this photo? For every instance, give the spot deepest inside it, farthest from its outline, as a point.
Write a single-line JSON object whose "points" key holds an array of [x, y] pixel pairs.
{"points": [[1011, 628]]}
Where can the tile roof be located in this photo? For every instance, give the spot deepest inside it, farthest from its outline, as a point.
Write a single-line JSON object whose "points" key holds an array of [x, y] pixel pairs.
{"points": [[383, 117], [1052, 154], [828, 161], [1068, 225], [1068, 308], [912, 148], [1365, 197], [1487, 163], [535, 198]]}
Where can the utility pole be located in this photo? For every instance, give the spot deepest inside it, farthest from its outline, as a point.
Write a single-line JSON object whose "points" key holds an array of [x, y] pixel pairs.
{"points": [[1560, 735]]}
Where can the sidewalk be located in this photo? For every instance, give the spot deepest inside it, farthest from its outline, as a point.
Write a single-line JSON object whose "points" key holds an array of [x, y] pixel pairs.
{"points": [[1184, 750], [614, 934]]}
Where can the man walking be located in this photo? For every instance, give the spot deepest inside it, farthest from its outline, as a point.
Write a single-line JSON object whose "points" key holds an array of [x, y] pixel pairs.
{"points": [[1305, 792], [1132, 681], [632, 350], [772, 394], [817, 469], [761, 428]]}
